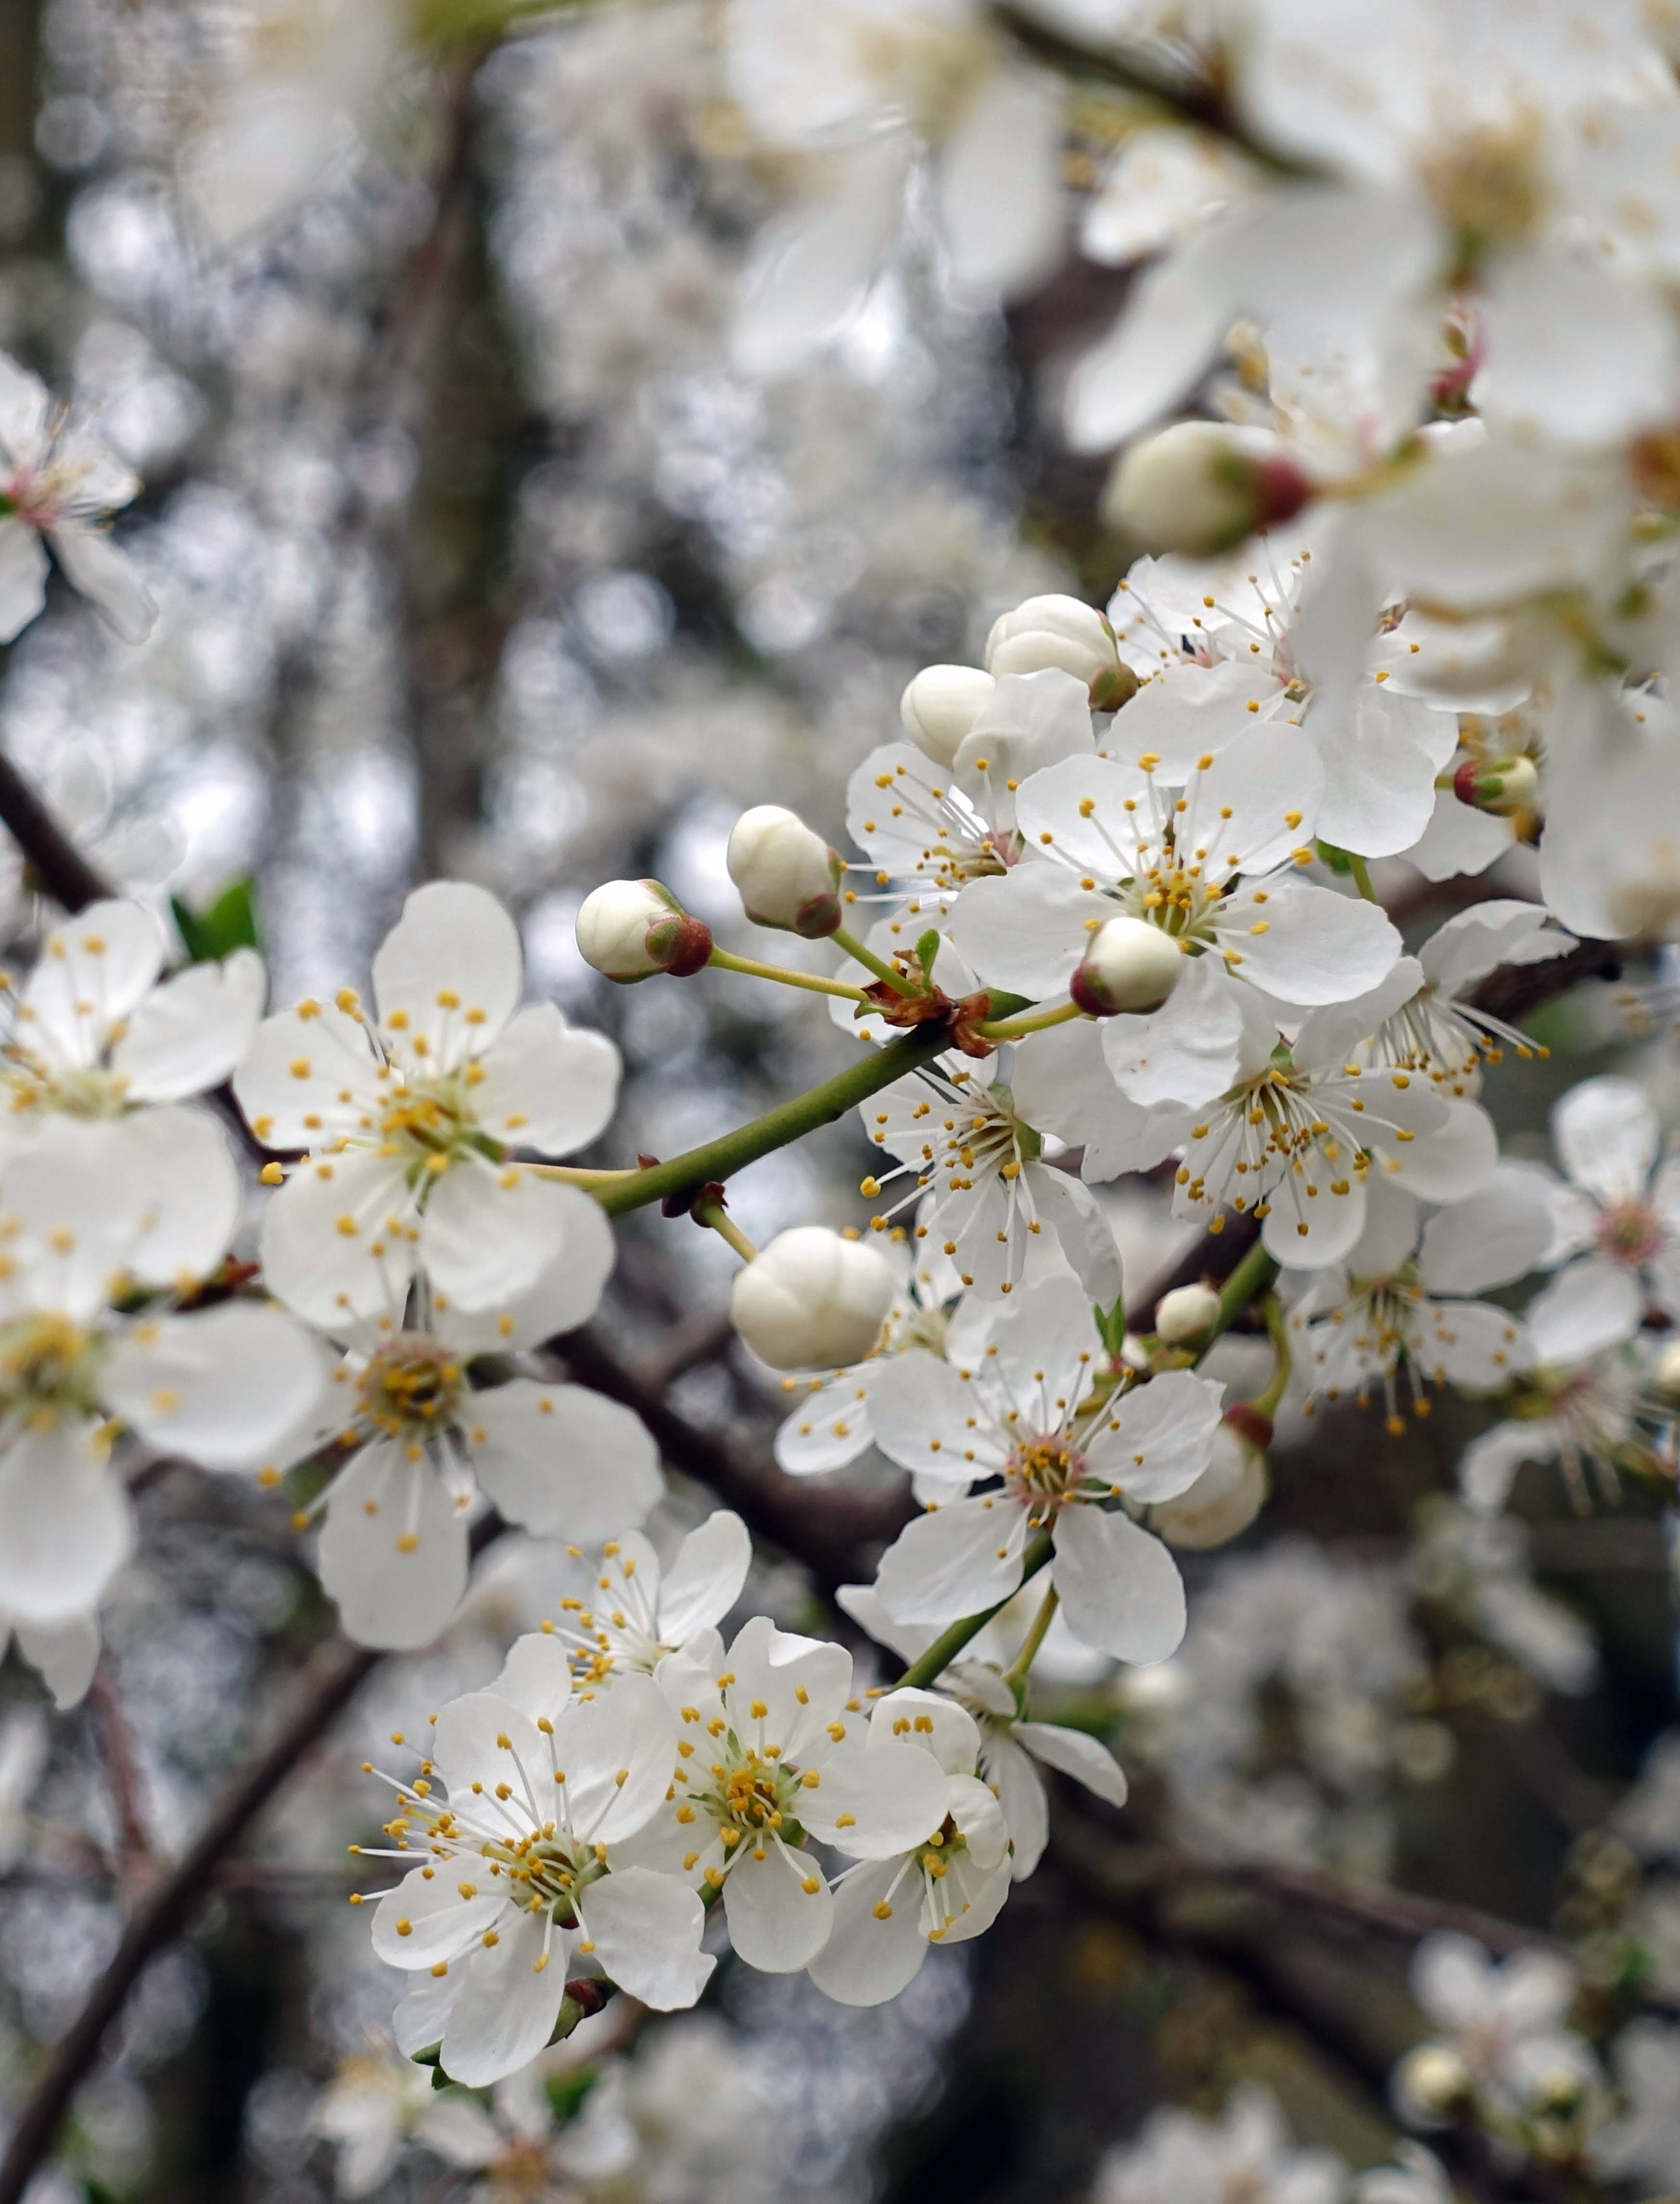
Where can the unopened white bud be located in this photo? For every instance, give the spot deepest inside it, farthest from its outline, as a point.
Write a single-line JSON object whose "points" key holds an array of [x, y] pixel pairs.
{"points": [[629, 929], [1185, 1313], [1505, 787], [1432, 2081], [1055, 631], [940, 705], [1665, 1371], [787, 875], [1129, 965], [1201, 487], [1227, 1496], [812, 1299]]}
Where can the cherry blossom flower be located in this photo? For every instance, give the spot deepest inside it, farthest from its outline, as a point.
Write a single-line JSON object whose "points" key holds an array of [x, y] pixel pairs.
{"points": [[947, 1885], [973, 1171], [1643, 2140], [1041, 1411], [87, 1222], [58, 484], [1504, 2023], [1393, 1310], [1213, 866], [94, 1033], [522, 1868], [1247, 2152], [409, 1117], [1617, 1219], [423, 1443], [368, 2110], [772, 1748], [1012, 1749], [635, 1611]]}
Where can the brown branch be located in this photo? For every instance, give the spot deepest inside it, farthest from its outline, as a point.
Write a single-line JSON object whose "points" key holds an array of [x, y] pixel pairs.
{"points": [[51, 855], [133, 1845]]}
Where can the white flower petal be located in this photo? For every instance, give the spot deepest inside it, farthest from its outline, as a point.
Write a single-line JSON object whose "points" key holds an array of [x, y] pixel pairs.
{"points": [[1021, 1793], [920, 1408], [222, 1387], [999, 190], [1072, 1753], [1488, 1465], [875, 1947], [505, 2009], [24, 567], [1080, 1224], [1026, 931], [92, 972], [1188, 1051], [617, 1752], [891, 1797], [546, 1084], [1608, 1138], [393, 1550], [561, 1461], [704, 1580], [1157, 1442], [566, 1293], [1318, 947], [68, 1525], [1121, 1589], [441, 1924], [190, 1034], [308, 1075], [1592, 1305], [646, 1929], [1488, 1238], [338, 1239], [775, 1924], [489, 1232], [964, 1556], [537, 1676], [456, 942], [810, 265], [64, 1653]]}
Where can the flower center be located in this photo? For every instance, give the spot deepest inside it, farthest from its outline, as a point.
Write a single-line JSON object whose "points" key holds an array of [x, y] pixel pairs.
{"points": [[410, 1386], [1045, 1469], [755, 1791], [47, 1371], [1628, 1234]]}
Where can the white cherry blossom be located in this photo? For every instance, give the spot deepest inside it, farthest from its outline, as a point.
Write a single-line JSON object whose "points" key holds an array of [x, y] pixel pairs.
{"points": [[974, 1172], [410, 1118], [634, 1611], [59, 484], [1617, 1218], [94, 1032], [1393, 1312], [1247, 2152], [771, 1749], [947, 1885], [85, 1223], [1040, 1422], [521, 1863]]}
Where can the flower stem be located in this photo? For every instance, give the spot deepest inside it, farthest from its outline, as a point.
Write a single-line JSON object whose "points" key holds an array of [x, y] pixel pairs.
{"points": [[1362, 878], [1277, 1331], [950, 1643], [1021, 1667], [1251, 1275], [787, 1122], [725, 961], [590, 1180], [1013, 1028], [870, 963], [713, 1215]]}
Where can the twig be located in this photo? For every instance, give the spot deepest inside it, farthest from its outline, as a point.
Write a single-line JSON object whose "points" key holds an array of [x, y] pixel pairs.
{"points": [[52, 856], [134, 1856]]}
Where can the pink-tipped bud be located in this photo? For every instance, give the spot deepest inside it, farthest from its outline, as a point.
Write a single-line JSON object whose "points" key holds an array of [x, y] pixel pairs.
{"points": [[788, 875], [631, 929], [1129, 965], [1200, 487], [1507, 785]]}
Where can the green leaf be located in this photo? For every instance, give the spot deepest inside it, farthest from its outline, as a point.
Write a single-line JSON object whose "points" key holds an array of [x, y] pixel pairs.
{"points": [[926, 949], [566, 2092], [1111, 1326], [228, 923]]}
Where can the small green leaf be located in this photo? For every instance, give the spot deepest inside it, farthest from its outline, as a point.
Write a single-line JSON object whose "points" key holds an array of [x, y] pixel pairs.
{"points": [[566, 2092], [1337, 860], [1111, 1326], [927, 949], [228, 923]]}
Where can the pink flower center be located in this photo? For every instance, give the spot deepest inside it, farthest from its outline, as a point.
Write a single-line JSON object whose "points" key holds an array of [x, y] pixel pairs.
{"points": [[1045, 1472], [1629, 1234]]}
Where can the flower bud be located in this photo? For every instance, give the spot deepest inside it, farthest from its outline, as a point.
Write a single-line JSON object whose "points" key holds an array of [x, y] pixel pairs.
{"points": [[1046, 631], [1200, 487], [1227, 1496], [1507, 785], [1431, 2081], [1129, 965], [788, 875], [812, 1299], [629, 929], [940, 705], [1186, 1314], [1665, 1373]]}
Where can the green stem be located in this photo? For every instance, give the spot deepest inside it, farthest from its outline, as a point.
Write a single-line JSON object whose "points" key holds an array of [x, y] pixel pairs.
{"points": [[590, 1180], [724, 960], [865, 956], [1021, 1667], [789, 1121], [1361, 877], [713, 1215], [1013, 1028], [1251, 1275], [950, 1643], [1277, 1331]]}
